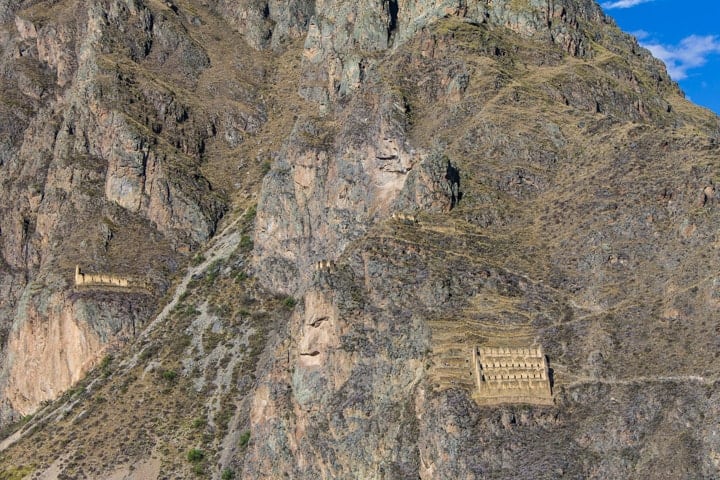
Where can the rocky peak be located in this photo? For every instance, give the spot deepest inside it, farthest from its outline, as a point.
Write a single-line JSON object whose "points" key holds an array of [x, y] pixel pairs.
{"points": [[343, 35]]}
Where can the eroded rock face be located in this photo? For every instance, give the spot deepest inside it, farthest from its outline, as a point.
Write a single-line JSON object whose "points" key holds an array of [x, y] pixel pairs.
{"points": [[342, 171], [319, 336], [101, 160], [344, 37], [348, 361], [47, 357], [268, 23], [58, 337], [331, 185]]}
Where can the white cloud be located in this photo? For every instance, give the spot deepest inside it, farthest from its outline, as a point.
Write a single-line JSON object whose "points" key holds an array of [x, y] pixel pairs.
{"points": [[640, 34], [691, 52], [623, 3]]}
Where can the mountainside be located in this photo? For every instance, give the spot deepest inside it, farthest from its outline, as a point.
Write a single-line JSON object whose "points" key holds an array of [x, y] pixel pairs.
{"points": [[305, 224]]}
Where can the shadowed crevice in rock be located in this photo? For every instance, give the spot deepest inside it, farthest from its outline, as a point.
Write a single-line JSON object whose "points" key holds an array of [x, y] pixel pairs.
{"points": [[392, 23], [452, 175]]}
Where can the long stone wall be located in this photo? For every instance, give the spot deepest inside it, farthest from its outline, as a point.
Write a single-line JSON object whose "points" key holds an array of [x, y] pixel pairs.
{"points": [[405, 218], [107, 280], [511, 375]]}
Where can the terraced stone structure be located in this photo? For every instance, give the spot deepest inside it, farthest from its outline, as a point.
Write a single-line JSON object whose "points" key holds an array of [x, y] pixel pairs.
{"points": [[324, 266], [106, 280], [511, 375], [405, 218]]}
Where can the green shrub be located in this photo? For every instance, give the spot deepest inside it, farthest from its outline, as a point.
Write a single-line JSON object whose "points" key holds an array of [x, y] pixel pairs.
{"points": [[246, 243], [105, 366], [212, 272], [251, 212], [245, 438], [195, 455], [169, 375], [221, 310], [228, 474], [289, 302]]}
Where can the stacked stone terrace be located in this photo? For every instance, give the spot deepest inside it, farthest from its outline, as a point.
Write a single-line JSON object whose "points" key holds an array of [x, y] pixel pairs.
{"points": [[511, 375], [105, 280], [324, 266], [454, 370], [405, 218]]}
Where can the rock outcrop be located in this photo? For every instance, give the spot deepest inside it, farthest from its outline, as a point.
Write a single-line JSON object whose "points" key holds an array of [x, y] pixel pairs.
{"points": [[51, 350]]}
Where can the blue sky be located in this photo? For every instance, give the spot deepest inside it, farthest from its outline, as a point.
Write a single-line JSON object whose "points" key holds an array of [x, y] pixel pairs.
{"points": [[684, 34]]}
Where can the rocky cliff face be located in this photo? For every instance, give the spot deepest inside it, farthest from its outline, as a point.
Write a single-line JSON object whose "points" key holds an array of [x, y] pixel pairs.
{"points": [[554, 188], [354, 164], [106, 132]]}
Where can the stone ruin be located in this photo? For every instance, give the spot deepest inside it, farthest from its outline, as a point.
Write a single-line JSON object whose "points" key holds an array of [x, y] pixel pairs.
{"points": [[324, 266], [511, 375], [105, 280], [405, 218]]}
